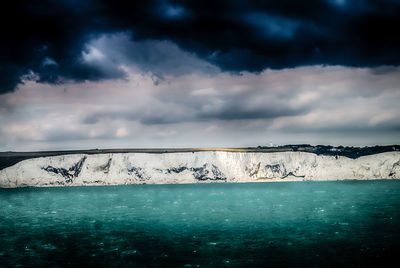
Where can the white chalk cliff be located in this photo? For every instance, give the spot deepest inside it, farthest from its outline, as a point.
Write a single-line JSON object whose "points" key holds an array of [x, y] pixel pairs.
{"points": [[196, 167]]}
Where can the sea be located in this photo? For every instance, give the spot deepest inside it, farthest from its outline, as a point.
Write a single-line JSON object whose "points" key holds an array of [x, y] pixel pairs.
{"points": [[279, 224]]}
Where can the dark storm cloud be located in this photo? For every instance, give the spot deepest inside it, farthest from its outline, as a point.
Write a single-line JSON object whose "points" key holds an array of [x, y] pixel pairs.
{"points": [[33, 31], [49, 37]]}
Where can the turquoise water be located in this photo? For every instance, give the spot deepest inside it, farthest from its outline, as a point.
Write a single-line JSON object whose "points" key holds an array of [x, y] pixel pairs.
{"points": [[202, 225]]}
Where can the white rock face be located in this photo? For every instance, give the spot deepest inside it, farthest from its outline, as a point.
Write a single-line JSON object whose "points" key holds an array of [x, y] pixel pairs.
{"points": [[197, 167]]}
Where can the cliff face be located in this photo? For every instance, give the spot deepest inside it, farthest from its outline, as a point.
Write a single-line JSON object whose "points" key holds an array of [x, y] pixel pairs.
{"points": [[195, 167]]}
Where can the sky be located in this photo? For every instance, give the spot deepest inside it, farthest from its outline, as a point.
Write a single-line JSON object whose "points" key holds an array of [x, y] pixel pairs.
{"points": [[144, 74]]}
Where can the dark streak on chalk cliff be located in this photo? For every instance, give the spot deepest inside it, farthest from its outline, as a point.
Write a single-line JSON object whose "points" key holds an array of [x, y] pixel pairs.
{"points": [[202, 173], [176, 170], [69, 174], [274, 170], [395, 166], [106, 167], [139, 173]]}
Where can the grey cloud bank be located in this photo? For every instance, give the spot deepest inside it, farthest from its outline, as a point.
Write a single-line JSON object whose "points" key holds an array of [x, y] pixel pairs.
{"points": [[315, 104]]}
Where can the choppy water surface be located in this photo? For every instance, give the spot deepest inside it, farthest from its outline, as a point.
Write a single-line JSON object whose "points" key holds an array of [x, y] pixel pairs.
{"points": [[288, 223]]}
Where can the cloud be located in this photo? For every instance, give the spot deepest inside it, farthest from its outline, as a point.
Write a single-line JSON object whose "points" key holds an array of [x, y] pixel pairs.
{"points": [[272, 26], [314, 104], [159, 58], [171, 11], [275, 34]]}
